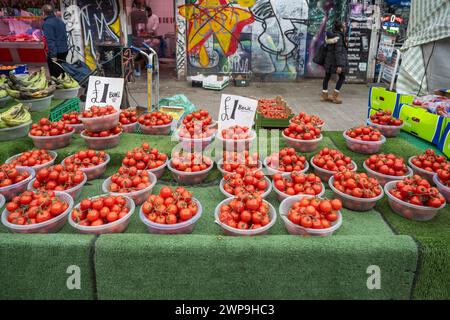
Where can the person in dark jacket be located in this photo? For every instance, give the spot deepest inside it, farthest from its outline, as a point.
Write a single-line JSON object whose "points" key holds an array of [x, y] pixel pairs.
{"points": [[55, 34], [336, 61]]}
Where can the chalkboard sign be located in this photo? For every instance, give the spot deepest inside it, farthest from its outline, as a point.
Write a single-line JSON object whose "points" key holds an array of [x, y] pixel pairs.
{"points": [[358, 51], [104, 91]]}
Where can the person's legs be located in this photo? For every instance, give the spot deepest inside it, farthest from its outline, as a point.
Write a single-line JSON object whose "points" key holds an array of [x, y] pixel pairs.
{"points": [[336, 98], [326, 79]]}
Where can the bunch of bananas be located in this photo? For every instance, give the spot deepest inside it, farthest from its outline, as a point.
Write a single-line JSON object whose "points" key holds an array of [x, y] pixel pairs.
{"points": [[15, 116], [3, 86], [65, 81], [34, 86]]}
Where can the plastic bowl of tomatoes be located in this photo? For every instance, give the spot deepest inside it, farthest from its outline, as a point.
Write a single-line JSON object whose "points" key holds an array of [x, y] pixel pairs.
{"points": [[400, 200], [128, 120], [427, 164], [253, 182], [98, 119], [50, 135], [122, 184], [234, 167], [190, 169], [236, 138], [285, 161], [102, 214], [35, 159], [304, 118], [71, 119], [257, 217], [311, 216], [48, 217], [303, 145], [103, 139], [14, 181], [388, 131], [363, 197], [148, 158], [197, 141], [92, 163], [365, 140], [329, 161], [386, 168], [444, 188], [384, 121], [297, 183], [156, 123]]}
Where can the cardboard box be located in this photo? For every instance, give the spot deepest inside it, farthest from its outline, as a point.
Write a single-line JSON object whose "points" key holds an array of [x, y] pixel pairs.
{"points": [[383, 99], [421, 123]]}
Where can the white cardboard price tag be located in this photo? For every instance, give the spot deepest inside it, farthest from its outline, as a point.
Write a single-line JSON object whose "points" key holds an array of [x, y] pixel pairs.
{"points": [[236, 110], [104, 91]]}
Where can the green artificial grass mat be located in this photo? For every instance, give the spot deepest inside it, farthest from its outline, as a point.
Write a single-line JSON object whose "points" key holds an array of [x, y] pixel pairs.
{"points": [[265, 267], [35, 266]]}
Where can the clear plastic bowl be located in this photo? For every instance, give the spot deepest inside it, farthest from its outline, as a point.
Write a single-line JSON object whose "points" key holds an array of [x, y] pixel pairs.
{"points": [[384, 178], [65, 94], [102, 123], [353, 203], [4, 100], [94, 172], [2, 200], [303, 145], [38, 104], [158, 171], [74, 192], [190, 144], [14, 133], [162, 130], [101, 143], [443, 189], [139, 196], [320, 126], [177, 228], [39, 166], [237, 145], [408, 210], [117, 226], [281, 195], [325, 174], [271, 171], [13, 190], [52, 142], [296, 229], [364, 147], [189, 178], [78, 127], [220, 167], [421, 172], [130, 128], [251, 232], [229, 195], [387, 131], [49, 226]]}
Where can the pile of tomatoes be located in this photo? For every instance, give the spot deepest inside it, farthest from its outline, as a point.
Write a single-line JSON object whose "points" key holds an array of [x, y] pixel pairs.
{"points": [[196, 132], [298, 183], [385, 118], [96, 111], [170, 206], [200, 118], [32, 207], [302, 131], [9, 175], [57, 178], [155, 118], [85, 159], [190, 162], [287, 160], [249, 212], [444, 174], [128, 180], [315, 213], [430, 161], [304, 118], [333, 160], [47, 128], [144, 158], [273, 109], [364, 133], [387, 164], [128, 117], [236, 133], [357, 185], [71, 118], [417, 191], [240, 161], [100, 211], [32, 158], [252, 182], [105, 133]]}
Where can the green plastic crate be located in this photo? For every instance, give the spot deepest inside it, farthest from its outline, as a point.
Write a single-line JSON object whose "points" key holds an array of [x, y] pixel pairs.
{"points": [[66, 107]]}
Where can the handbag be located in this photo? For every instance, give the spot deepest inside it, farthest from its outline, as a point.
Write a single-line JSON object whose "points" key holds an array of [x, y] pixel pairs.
{"points": [[321, 54]]}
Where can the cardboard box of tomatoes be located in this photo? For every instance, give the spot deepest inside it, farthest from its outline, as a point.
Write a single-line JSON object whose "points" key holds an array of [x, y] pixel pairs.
{"points": [[273, 113]]}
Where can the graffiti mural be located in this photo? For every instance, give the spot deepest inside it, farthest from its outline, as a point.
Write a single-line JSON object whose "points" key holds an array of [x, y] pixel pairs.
{"points": [[71, 17], [181, 43]]}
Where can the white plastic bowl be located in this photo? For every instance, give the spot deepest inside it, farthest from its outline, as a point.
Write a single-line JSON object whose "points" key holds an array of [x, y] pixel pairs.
{"points": [[384, 178], [130, 128], [13, 190], [94, 172], [443, 189], [39, 166], [52, 142], [421, 172], [193, 144], [229, 195], [102, 123], [408, 210], [49, 226], [38, 104], [237, 145], [364, 147], [65, 94], [296, 229], [14, 133], [220, 167], [302, 145], [78, 127], [101, 143], [158, 171], [281, 195], [189, 178], [139, 196], [177, 228], [74, 192], [272, 171], [250, 232], [162, 130], [117, 226], [354, 203], [325, 174], [387, 131]]}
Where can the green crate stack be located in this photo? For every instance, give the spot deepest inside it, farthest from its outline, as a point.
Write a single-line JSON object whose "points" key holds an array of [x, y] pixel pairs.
{"points": [[65, 107]]}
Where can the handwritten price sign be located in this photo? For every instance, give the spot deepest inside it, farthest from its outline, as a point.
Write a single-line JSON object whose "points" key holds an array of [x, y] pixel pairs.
{"points": [[104, 91], [236, 110]]}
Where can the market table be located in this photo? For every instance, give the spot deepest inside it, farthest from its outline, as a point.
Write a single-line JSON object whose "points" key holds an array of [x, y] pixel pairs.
{"points": [[413, 256]]}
